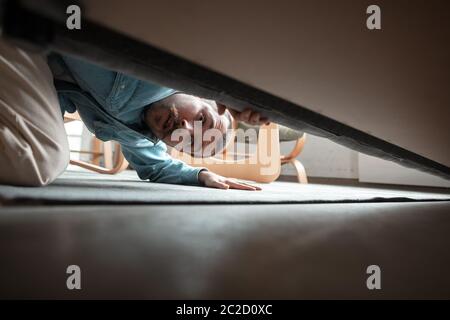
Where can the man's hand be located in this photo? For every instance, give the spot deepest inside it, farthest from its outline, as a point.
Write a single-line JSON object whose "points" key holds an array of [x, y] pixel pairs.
{"points": [[249, 116], [212, 180]]}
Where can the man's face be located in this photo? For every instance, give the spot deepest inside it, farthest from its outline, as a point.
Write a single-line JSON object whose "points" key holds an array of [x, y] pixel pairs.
{"points": [[186, 113]]}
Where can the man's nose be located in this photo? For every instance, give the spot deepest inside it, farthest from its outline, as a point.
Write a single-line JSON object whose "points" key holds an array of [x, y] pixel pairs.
{"points": [[187, 125]]}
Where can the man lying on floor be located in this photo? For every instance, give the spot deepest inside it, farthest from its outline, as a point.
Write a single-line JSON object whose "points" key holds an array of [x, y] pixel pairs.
{"points": [[141, 116]]}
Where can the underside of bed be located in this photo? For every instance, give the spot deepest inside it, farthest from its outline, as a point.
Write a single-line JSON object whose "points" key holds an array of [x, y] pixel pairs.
{"points": [[43, 27]]}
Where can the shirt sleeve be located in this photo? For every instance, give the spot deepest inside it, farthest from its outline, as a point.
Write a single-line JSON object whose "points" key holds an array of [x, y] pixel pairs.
{"points": [[152, 162]]}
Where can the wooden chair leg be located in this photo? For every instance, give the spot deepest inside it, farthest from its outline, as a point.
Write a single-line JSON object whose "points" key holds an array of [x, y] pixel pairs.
{"points": [[114, 162], [301, 172], [120, 164], [108, 155], [96, 150]]}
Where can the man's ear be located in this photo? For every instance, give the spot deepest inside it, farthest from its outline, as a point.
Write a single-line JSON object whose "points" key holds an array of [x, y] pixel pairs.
{"points": [[221, 108]]}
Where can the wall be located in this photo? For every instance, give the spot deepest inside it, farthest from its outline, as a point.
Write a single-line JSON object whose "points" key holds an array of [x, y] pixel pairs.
{"points": [[380, 171], [324, 158]]}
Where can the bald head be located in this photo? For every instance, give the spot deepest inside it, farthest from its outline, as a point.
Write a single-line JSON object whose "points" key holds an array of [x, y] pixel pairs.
{"points": [[190, 122]]}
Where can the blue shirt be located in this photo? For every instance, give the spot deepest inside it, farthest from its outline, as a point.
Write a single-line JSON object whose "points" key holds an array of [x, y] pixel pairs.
{"points": [[111, 105]]}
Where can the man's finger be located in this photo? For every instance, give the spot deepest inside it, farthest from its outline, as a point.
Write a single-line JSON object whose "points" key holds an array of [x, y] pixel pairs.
{"points": [[254, 119], [245, 115], [240, 186], [251, 185], [243, 183], [264, 120], [218, 185]]}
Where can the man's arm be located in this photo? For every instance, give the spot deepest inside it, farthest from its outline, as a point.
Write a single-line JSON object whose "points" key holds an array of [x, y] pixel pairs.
{"points": [[152, 162]]}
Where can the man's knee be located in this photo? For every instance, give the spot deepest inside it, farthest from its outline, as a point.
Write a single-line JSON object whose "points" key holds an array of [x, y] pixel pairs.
{"points": [[33, 143], [24, 163], [50, 166]]}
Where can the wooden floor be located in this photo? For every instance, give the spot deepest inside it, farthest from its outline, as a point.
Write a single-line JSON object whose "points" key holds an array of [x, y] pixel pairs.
{"points": [[226, 251]]}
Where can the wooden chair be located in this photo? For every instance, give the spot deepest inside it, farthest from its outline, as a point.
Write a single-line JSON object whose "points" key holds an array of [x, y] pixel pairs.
{"points": [[292, 159], [114, 162], [286, 135], [263, 165]]}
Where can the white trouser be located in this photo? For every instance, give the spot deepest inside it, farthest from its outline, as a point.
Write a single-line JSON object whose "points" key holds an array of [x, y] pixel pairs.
{"points": [[33, 143]]}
